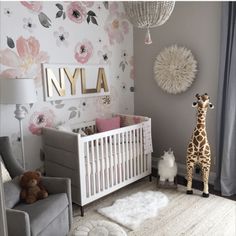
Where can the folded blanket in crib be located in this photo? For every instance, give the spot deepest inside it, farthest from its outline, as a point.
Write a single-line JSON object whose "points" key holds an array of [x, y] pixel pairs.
{"points": [[147, 137]]}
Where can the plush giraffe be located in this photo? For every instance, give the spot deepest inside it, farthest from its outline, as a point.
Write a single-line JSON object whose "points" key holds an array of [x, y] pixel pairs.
{"points": [[199, 152]]}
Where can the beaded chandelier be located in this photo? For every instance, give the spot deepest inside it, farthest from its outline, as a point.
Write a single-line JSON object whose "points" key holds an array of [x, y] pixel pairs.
{"points": [[146, 15]]}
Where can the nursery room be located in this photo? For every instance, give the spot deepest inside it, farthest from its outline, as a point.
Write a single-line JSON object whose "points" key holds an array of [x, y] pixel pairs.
{"points": [[117, 118]]}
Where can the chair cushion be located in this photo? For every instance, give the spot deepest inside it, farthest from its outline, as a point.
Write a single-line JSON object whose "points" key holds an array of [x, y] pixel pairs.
{"points": [[5, 174], [12, 192], [43, 212]]}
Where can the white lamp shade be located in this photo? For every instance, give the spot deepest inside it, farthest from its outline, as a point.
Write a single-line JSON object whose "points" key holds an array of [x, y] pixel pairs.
{"points": [[17, 91]]}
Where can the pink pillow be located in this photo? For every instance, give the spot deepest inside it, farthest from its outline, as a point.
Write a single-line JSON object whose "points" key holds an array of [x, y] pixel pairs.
{"points": [[108, 124]]}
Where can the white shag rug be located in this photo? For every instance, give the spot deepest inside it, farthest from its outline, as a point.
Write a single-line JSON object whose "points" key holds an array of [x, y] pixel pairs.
{"points": [[99, 228], [131, 211]]}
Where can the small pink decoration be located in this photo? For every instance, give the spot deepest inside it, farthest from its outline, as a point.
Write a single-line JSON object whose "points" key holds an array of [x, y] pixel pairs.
{"points": [[34, 6], [108, 124], [116, 24], [27, 64], [83, 51], [40, 119], [131, 62], [76, 12]]}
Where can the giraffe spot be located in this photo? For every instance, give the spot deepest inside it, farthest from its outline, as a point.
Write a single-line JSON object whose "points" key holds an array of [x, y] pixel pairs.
{"points": [[199, 138], [190, 145], [196, 133], [203, 133], [195, 142], [199, 126], [203, 142], [190, 150], [207, 147]]}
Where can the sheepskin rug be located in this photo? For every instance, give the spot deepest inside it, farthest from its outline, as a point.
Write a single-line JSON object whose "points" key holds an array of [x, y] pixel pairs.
{"points": [[131, 211]]}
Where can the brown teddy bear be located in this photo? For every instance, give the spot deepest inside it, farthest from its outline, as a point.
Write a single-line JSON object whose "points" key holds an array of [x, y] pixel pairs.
{"points": [[32, 189]]}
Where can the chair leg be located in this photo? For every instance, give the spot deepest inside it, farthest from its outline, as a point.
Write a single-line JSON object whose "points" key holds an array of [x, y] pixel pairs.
{"points": [[82, 211], [150, 178]]}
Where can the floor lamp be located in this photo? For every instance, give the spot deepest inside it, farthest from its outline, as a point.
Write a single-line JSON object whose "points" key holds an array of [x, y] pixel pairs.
{"points": [[19, 92]]}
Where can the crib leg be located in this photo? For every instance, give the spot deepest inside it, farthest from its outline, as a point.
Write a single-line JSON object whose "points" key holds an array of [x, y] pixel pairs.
{"points": [[150, 178], [82, 211]]}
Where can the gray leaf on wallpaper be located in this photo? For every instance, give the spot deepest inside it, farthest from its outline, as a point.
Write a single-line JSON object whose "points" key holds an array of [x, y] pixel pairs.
{"points": [[10, 42], [72, 115], [72, 108], [59, 14], [64, 15], [58, 101], [59, 6], [122, 65], [59, 106], [94, 21], [44, 20], [106, 4]]}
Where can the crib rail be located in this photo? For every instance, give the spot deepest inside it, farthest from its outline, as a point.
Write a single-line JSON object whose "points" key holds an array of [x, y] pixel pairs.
{"points": [[111, 160]]}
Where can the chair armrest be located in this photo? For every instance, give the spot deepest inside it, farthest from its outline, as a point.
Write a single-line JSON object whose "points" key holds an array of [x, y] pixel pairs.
{"points": [[18, 222], [55, 185]]}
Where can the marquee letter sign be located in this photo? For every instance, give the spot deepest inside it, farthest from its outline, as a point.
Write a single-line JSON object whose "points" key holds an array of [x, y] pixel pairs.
{"points": [[72, 81]]}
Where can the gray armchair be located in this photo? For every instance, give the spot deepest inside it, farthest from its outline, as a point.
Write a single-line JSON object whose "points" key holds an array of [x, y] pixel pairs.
{"points": [[47, 217]]}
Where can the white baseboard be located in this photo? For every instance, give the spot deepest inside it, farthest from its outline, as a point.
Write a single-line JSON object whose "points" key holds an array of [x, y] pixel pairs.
{"points": [[182, 171]]}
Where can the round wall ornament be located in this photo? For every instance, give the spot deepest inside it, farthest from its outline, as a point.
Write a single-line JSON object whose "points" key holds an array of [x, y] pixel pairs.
{"points": [[175, 69]]}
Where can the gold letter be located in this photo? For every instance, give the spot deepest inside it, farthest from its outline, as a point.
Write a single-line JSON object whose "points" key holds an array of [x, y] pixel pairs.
{"points": [[51, 80], [83, 83], [72, 79], [102, 81]]}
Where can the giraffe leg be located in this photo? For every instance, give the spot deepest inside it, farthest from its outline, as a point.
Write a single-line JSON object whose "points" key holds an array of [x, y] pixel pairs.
{"points": [[205, 176], [190, 167]]}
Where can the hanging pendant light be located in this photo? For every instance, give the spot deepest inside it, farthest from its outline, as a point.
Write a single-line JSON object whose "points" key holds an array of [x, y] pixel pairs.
{"points": [[146, 15]]}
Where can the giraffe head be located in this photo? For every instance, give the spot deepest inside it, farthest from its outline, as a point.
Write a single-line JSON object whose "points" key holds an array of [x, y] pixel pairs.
{"points": [[203, 102]]}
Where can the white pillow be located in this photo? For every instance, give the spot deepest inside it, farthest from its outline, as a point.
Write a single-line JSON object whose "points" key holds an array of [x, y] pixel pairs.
{"points": [[5, 174]]}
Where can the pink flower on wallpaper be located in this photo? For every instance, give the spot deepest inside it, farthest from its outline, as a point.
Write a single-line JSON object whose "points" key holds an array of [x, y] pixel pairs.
{"points": [[116, 27], [34, 6], [131, 62], [26, 62], [76, 12], [88, 3], [83, 51], [40, 119]]}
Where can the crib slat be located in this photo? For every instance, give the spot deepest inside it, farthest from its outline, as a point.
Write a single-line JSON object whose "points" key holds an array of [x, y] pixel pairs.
{"points": [[102, 165], [137, 147], [93, 168], [127, 154], [119, 160], [111, 162], [115, 160], [107, 164], [123, 157], [88, 170], [131, 153], [134, 152], [97, 166], [141, 145]]}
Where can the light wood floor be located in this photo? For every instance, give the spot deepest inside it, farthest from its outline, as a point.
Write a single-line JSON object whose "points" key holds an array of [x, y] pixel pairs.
{"points": [[185, 214]]}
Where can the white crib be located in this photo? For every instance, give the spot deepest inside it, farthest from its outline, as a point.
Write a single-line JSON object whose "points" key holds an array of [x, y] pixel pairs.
{"points": [[97, 164]]}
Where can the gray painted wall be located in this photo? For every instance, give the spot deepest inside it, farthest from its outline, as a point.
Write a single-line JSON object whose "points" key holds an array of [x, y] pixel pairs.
{"points": [[195, 25]]}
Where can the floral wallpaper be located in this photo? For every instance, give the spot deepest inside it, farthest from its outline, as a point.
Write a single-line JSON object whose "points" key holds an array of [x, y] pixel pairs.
{"points": [[83, 33]]}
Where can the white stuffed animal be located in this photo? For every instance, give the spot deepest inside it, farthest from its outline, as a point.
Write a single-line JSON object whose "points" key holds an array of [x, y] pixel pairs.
{"points": [[167, 167]]}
